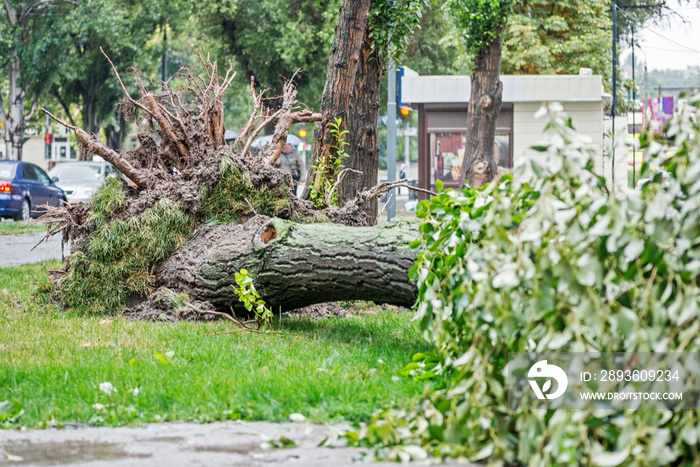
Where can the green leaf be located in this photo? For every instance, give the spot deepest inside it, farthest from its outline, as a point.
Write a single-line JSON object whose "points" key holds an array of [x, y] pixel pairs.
{"points": [[439, 185], [484, 452]]}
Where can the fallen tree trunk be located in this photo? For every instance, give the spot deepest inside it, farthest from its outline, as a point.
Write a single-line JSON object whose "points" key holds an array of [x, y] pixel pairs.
{"points": [[295, 265]]}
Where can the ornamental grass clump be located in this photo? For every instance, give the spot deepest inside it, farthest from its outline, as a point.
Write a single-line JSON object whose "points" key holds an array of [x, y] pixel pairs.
{"points": [[560, 264]]}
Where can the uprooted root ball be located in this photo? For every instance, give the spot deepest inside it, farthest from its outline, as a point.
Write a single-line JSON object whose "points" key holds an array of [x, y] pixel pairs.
{"points": [[183, 179]]}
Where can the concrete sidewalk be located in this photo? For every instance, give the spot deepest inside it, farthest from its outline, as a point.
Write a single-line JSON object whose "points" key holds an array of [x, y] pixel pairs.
{"points": [[180, 444]]}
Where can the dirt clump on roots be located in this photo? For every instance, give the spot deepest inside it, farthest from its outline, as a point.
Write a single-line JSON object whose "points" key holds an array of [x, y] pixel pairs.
{"points": [[167, 305]]}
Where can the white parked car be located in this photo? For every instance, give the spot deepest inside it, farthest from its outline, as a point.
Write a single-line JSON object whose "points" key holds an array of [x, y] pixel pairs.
{"points": [[81, 180]]}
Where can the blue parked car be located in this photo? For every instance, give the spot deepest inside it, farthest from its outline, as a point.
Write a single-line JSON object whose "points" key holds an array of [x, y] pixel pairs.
{"points": [[23, 188]]}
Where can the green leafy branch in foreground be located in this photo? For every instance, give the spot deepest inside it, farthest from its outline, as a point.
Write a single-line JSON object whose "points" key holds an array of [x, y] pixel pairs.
{"points": [[559, 264], [250, 298]]}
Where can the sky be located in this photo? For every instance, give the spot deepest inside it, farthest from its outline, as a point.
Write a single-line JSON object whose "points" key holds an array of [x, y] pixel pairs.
{"points": [[673, 44]]}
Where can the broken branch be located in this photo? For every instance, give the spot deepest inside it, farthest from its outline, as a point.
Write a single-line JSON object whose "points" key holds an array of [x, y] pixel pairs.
{"points": [[121, 83], [91, 144], [165, 126], [229, 317]]}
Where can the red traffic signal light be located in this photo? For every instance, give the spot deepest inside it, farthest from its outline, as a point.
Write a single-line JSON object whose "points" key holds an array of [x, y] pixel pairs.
{"points": [[49, 138]]}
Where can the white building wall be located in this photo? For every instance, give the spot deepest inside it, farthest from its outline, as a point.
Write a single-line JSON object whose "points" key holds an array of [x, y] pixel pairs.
{"points": [[587, 118], [519, 88], [32, 151], [581, 96]]}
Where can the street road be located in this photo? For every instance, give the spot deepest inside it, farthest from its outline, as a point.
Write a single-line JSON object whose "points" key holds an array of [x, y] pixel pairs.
{"points": [[17, 249]]}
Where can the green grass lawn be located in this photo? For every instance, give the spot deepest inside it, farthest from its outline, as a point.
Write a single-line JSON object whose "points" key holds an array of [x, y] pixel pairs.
{"points": [[19, 227], [52, 365]]}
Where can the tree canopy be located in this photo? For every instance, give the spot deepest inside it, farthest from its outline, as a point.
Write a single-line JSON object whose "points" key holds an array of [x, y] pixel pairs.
{"points": [[30, 37], [545, 37], [478, 22], [123, 30], [272, 39]]}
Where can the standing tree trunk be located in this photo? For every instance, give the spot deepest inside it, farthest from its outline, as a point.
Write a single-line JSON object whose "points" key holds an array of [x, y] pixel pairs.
{"points": [[90, 94], [362, 134], [343, 65], [479, 166], [14, 118], [115, 134]]}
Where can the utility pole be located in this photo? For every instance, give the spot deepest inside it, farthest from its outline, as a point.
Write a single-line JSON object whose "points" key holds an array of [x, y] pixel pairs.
{"points": [[615, 10], [634, 114], [614, 87], [165, 53], [391, 139], [47, 150], [407, 149], [646, 82]]}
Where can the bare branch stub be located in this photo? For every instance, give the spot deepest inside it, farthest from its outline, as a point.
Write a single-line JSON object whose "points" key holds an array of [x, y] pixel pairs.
{"points": [[121, 83], [287, 118], [91, 144], [352, 212], [279, 138], [257, 114], [269, 117]]}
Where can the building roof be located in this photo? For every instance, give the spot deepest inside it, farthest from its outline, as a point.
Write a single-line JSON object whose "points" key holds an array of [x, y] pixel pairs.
{"points": [[416, 89]]}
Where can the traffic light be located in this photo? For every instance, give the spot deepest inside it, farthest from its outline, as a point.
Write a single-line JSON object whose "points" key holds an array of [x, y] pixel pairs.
{"points": [[302, 133], [49, 139], [405, 111]]}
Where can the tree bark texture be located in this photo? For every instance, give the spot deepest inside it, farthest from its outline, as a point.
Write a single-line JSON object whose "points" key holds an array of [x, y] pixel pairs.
{"points": [[14, 118], [343, 65], [115, 134], [296, 265], [90, 93], [363, 149], [479, 166]]}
